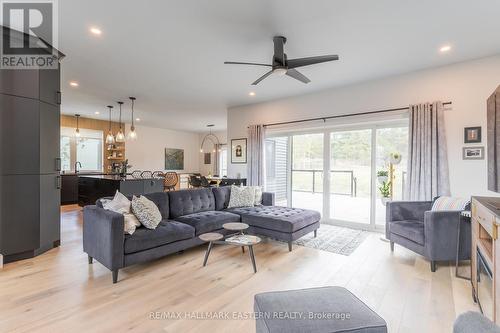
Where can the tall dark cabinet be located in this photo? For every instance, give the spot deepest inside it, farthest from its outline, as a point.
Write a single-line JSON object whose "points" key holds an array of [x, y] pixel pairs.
{"points": [[30, 163]]}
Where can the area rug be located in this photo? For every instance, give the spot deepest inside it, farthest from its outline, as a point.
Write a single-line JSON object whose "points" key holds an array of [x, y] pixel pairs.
{"points": [[334, 239]]}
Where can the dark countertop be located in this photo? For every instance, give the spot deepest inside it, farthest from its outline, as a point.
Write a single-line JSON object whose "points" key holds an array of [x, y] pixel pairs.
{"points": [[113, 177]]}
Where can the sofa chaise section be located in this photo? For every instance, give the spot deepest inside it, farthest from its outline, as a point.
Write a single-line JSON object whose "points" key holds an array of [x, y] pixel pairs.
{"points": [[281, 223]]}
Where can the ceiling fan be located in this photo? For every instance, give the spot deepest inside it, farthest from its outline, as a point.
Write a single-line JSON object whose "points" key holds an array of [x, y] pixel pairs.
{"points": [[281, 65]]}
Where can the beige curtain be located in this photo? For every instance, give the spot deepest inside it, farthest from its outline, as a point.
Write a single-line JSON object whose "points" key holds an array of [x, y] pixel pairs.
{"points": [[256, 156], [427, 153]]}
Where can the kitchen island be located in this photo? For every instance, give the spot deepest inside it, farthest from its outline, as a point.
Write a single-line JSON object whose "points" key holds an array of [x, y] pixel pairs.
{"points": [[93, 187]]}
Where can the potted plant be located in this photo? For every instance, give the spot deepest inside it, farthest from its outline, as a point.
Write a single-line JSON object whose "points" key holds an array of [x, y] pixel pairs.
{"points": [[382, 176], [395, 158], [385, 192], [124, 168]]}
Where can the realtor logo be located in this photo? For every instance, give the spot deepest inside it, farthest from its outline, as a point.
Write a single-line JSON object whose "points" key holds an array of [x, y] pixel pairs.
{"points": [[29, 36]]}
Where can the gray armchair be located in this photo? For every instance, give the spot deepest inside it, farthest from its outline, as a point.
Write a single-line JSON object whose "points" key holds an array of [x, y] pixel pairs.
{"points": [[432, 234]]}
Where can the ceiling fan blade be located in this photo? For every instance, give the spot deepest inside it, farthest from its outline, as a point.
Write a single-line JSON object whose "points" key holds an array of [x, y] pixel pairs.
{"points": [[297, 75], [245, 63], [300, 62], [262, 78], [279, 50]]}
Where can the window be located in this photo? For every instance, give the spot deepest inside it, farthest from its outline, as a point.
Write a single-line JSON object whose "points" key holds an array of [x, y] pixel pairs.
{"points": [[86, 149], [223, 161]]}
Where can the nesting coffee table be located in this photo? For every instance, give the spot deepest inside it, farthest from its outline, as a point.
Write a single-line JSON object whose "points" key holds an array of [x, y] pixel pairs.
{"points": [[236, 239]]}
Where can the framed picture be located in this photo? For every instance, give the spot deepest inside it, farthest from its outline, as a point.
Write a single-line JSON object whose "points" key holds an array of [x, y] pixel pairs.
{"points": [[208, 158], [472, 134], [174, 159], [239, 151], [473, 153]]}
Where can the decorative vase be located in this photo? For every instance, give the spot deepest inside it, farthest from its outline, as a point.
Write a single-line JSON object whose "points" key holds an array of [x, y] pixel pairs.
{"points": [[385, 200]]}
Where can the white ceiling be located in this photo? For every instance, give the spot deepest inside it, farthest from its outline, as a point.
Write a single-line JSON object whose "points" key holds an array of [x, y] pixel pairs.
{"points": [[170, 54]]}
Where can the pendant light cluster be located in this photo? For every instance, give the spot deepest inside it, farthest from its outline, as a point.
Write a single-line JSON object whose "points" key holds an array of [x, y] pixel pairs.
{"points": [[120, 136]]}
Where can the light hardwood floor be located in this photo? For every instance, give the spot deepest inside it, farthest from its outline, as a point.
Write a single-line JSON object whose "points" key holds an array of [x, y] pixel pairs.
{"points": [[60, 292]]}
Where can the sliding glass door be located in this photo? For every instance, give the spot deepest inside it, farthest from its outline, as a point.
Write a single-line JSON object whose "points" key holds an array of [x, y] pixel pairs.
{"points": [[307, 171], [351, 175], [350, 191]]}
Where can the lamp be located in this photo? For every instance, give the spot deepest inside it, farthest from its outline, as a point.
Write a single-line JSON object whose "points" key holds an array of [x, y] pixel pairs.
{"points": [[211, 137], [120, 137], [110, 139], [77, 130], [132, 134]]}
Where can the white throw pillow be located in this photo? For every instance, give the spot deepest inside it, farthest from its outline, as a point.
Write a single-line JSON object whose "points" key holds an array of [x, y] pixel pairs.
{"points": [[130, 223], [243, 196], [121, 205], [146, 212], [258, 195]]}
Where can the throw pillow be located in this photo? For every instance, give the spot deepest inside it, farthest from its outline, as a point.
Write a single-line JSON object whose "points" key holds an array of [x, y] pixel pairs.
{"points": [[449, 203], [130, 223], [146, 212], [243, 196], [258, 195], [119, 204]]}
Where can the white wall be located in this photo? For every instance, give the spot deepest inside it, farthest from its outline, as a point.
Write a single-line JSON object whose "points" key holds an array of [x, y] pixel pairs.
{"points": [[467, 85], [148, 151], [208, 146]]}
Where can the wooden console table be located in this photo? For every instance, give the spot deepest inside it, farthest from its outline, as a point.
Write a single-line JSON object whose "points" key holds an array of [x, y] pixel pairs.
{"points": [[485, 222]]}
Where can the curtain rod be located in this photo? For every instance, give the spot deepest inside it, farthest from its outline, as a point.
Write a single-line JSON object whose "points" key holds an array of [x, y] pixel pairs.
{"points": [[341, 116]]}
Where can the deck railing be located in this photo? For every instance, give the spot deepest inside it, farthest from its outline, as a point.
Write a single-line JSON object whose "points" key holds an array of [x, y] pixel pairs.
{"points": [[352, 181]]}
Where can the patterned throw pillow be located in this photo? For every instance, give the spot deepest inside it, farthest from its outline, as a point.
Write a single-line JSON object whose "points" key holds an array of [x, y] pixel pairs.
{"points": [[243, 196], [449, 203], [146, 212]]}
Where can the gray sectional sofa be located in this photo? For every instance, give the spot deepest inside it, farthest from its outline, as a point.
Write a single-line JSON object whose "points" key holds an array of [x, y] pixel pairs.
{"points": [[186, 215]]}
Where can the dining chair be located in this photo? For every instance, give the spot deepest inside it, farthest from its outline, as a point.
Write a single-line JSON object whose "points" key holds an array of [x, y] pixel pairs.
{"points": [[204, 181], [146, 174], [136, 173], [158, 175], [194, 181], [170, 181]]}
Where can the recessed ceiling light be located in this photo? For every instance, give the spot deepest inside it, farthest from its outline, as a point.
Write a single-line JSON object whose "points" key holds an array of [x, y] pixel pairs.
{"points": [[97, 112], [445, 48], [137, 119], [73, 84], [95, 31], [251, 93]]}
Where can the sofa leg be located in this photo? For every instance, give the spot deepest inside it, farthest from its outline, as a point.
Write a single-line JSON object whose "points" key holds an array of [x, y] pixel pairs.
{"points": [[392, 246], [315, 233], [91, 260], [433, 266], [290, 246], [115, 275]]}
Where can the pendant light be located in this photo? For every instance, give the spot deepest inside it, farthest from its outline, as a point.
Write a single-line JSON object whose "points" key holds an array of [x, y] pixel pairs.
{"points": [[132, 134], [120, 137], [110, 139], [77, 130], [212, 138]]}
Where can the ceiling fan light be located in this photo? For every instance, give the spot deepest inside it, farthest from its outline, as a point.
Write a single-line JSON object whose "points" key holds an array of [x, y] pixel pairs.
{"points": [[279, 71]]}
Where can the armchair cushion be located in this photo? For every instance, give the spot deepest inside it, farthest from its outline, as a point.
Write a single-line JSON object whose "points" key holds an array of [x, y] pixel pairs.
{"points": [[409, 229]]}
